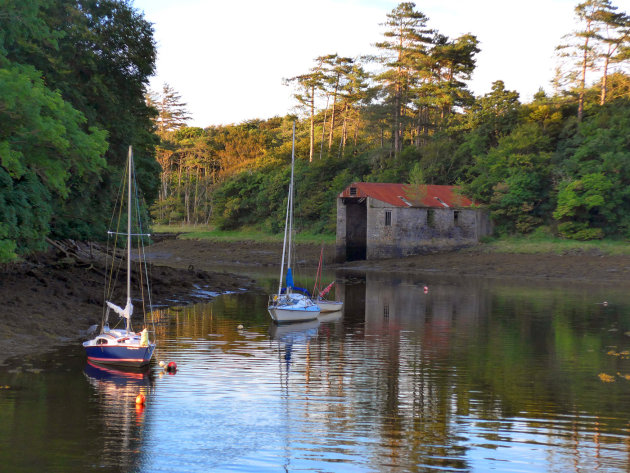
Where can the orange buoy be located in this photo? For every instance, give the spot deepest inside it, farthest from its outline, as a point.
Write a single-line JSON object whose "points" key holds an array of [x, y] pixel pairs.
{"points": [[140, 400]]}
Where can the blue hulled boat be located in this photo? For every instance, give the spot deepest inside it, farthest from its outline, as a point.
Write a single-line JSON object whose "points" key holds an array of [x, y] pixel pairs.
{"points": [[123, 346]]}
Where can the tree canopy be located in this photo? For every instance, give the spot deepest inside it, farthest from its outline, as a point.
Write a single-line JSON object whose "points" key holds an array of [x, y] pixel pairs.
{"points": [[73, 76]]}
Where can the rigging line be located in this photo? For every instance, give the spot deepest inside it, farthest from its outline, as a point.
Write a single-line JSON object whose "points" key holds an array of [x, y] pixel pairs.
{"points": [[142, 254], [109, 270], [111, 284], [113, 279]]}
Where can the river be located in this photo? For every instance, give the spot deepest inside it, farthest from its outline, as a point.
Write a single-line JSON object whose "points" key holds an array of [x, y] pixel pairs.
{"points": [[467, 375]]}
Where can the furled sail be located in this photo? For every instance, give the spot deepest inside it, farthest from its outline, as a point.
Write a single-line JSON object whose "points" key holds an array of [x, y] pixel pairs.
{"points": [[126, 312], [328, 288]]}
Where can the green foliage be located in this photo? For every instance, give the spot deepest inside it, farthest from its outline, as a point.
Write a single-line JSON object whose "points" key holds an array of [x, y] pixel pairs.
{"points": [[514, 179], [72, 76], [594, 192]]}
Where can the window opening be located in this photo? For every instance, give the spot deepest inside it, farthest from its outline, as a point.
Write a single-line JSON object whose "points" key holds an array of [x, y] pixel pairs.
{"points": [[430, 218]]}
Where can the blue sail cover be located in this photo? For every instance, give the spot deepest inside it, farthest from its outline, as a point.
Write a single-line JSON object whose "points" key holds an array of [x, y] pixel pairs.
{"points": [[289, 278], [296, 289], [292, 286]]}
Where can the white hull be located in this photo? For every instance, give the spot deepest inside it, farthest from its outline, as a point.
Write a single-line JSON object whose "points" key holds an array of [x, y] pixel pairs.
{"points": [[285, 315], [329, 306], [293, 308]]}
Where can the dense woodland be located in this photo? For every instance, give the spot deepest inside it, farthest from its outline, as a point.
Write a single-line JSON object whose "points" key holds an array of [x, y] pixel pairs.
{"points": [[560, 163], [73, 82]]}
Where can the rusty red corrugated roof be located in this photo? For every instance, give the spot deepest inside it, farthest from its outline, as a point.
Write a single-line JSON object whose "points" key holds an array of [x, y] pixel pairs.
{"points": [[406, 195]]}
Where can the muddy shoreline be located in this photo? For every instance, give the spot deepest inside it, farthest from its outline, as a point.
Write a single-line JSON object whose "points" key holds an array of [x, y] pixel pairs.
{"points": [[51, 299], [574, 266]]}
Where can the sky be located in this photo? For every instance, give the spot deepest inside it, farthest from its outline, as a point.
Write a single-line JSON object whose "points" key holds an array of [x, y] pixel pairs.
{"points": [[227, 59]]}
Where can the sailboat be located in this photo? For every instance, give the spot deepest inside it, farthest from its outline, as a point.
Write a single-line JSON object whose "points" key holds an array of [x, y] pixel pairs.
{"points": [[319, 294], [123, 346], [289, 304]]}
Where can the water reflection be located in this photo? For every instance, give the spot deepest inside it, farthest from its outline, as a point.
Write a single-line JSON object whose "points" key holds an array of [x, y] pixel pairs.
{"points": [[470, 375], [115, 391], [477, 371]]}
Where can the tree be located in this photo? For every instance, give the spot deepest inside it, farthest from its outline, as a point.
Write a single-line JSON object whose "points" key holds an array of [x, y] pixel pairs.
{"points": [[615, 42], [172, 113], [307, 85], [32, 172], [171, 116], [98, 55], [336, 70], [404, 51], [601, 35], [594, 172]]}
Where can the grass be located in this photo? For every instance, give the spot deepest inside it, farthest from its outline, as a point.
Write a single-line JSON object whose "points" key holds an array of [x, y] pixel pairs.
{"points": [[538, 242], [206, 232]]}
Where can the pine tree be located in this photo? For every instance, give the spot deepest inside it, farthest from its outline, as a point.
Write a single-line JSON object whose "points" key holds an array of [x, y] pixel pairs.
{"points": [[405, 50]]}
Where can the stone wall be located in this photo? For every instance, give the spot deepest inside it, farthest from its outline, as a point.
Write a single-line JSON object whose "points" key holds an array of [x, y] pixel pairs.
{"points": [[406, 231], [414, 230]]}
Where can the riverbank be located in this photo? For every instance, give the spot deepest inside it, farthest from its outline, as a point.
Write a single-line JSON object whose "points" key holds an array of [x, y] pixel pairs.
{"points": [[52, 299], [585, 266]]}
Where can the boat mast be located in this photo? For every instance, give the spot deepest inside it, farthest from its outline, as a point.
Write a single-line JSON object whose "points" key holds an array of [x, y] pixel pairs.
{"points": [[291, 200], [129, 242], [284, 248], [288, 222]]}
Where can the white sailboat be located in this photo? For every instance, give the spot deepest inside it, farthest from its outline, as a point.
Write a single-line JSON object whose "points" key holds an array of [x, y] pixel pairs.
{"points": [[122, 346], [288, 305]]}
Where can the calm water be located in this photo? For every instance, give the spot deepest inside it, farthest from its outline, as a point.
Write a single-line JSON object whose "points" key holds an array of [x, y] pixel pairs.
{"points": [[472, 376]]}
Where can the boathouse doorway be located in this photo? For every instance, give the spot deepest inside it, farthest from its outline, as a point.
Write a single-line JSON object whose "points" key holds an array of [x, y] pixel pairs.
{"points": [[356, 229]]}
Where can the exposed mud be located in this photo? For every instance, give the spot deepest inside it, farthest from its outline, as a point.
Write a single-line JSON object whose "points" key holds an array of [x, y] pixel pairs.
{"points": [[576, 266], [53, 298]]}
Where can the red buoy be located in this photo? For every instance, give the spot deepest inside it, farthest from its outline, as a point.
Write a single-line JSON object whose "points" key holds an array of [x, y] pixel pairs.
{"points": [[140, 399], [171, 367]]}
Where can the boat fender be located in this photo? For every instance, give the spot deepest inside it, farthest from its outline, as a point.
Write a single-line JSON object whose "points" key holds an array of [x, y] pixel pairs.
{"points": [[171, 367], [426, 289]]}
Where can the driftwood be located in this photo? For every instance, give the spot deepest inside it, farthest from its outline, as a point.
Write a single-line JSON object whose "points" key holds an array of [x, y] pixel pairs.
{"points": [[86, 253]]}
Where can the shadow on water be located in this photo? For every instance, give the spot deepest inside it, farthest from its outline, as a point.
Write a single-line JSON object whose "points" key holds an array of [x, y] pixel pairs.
{"points": [[465, 375]]}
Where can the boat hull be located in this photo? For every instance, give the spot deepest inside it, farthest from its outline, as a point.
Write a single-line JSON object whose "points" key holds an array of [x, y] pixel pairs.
{"points": [[329, 306], [288, 314], [120, 355]]}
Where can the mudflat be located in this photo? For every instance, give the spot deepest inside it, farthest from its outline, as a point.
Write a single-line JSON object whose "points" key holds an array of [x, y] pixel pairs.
{"points": [[51, 299], [587, 267]]}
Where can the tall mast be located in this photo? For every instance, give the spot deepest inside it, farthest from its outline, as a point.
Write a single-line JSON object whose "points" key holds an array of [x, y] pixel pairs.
{"points": [[129, 241], [288, 220], [291, 198]]}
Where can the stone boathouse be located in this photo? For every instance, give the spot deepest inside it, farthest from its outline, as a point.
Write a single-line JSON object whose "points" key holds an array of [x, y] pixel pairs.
{"points": [[376, 220]]}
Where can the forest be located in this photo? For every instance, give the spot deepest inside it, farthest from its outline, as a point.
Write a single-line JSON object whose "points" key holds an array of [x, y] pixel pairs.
{"points": [[74, 79], [560, 163]]}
